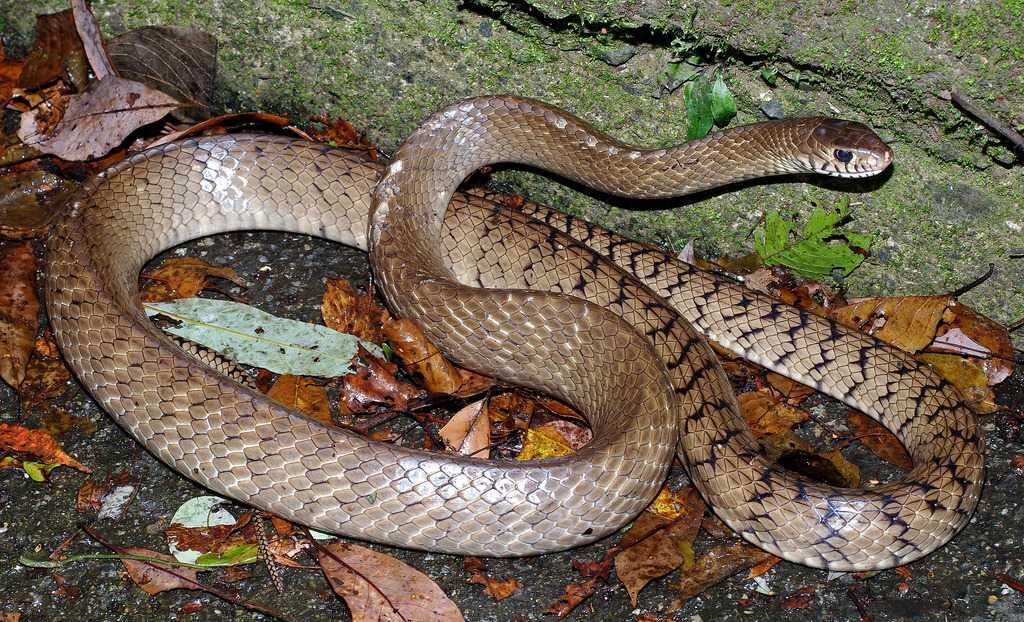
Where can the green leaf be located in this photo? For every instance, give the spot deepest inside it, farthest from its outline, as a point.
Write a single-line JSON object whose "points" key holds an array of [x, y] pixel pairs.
{"points": [[816, 252], [675, 75], [254, 337], [37, 470], [770, 75], [241, 554], [699, 115], [723, 106], [38, 562]]}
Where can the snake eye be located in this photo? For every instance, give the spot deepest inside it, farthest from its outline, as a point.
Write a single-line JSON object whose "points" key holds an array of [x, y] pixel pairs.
{"points": [[843, 155]]}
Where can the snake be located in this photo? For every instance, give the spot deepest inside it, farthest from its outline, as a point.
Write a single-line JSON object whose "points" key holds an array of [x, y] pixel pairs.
{"points": [[616, 328]]}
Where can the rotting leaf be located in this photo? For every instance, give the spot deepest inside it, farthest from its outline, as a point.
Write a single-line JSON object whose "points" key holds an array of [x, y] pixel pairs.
{"points": [[374, 386], [907, 322], [183, 277], [38, 443], [304, 394], [421, 357], [878, 440], [96, 120], [379, 588], [57, 50], [154, 578], [766, 415], [10, 72], [19, 310], [468, 432], [661, 546], [574, 594], [348, 311], [46, 376], [181, 62], [718, 564], [498, 589], [341, 133], [30, 200]]}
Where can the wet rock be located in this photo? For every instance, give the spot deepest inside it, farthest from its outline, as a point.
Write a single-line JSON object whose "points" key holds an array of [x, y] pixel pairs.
{"points": [[618, 56]]}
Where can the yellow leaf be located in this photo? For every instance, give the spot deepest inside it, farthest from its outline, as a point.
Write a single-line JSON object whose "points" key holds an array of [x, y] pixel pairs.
{"points": [[543, 443]]}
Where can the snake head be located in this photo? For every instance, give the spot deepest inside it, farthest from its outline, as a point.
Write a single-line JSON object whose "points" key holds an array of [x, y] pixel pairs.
{"points": [[843, 149]]}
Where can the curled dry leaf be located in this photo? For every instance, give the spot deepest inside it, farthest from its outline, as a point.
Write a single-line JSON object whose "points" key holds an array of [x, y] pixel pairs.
{"points": [[656, 545], [348, 311], [907, 322], [498, 589], [183, 277], [19, 310], [154, 578], [379, 588], [421, 357], [575, 593], [304, 394], [46, 378], [374, 386], [878, 440], [342, 134], [468, 432], [96, 120], [39, 444], [766, 415]]}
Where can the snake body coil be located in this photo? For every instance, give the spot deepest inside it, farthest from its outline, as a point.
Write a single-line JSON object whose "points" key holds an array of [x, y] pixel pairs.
{"points": [[519, 298]]}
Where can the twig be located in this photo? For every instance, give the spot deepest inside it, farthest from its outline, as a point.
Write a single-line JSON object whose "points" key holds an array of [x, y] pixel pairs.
{"points": [[1011, 582], [963, 289], [1015, 325], [858, 602], [994, 124]]}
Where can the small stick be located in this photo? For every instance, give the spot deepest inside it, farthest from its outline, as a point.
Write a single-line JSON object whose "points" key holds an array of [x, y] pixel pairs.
{"points": [[994, 124], [1011, 582], [963, 289]]}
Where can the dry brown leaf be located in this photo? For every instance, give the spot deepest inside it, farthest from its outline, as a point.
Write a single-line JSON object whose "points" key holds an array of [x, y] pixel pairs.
{"points": [[153, 578], [421, 357], [575, 593], [10, 73], [56, 50], [800, 599], [498, 589], [848, 471], [379, 588], [183, 277], [665, 544], [348, 311], [718, 564], [30, 200], [793, 391], [97, 120], [966, 375], [374, 386], [508, 412], [37, 443], [304, 394], [907, 322], [967, 331], [763, 567], [576, 437], [342, 134], [766, 415], [19, 310], [46, 376], [878, 440], [217, 125], [468, 432]]}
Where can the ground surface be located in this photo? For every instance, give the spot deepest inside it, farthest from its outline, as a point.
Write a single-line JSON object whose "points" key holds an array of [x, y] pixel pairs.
{"points": [[953, 584]]}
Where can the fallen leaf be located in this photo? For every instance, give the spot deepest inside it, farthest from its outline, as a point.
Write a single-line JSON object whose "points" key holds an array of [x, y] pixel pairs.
{"points": [[508, 412], [181, 62], [348, 311], [498, 589], [92, 40], [907, 322], [374, 386], [37, 443], [665, 544], [29, 201], [468, 432], [420, 357], [543, 443], [96, 120], [10, 73], [966, 375], [153, 578], [575, 436], [967, 331], [763, 567], [56, 50], [341, 133], [183, 277], [46, 378], [217, 125], [800, 599], [202, 532], [304, 394], [766, 415], [19, 310], [878, 440], [574, 594], [718, 564], [379, 588], [793, 391]]}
